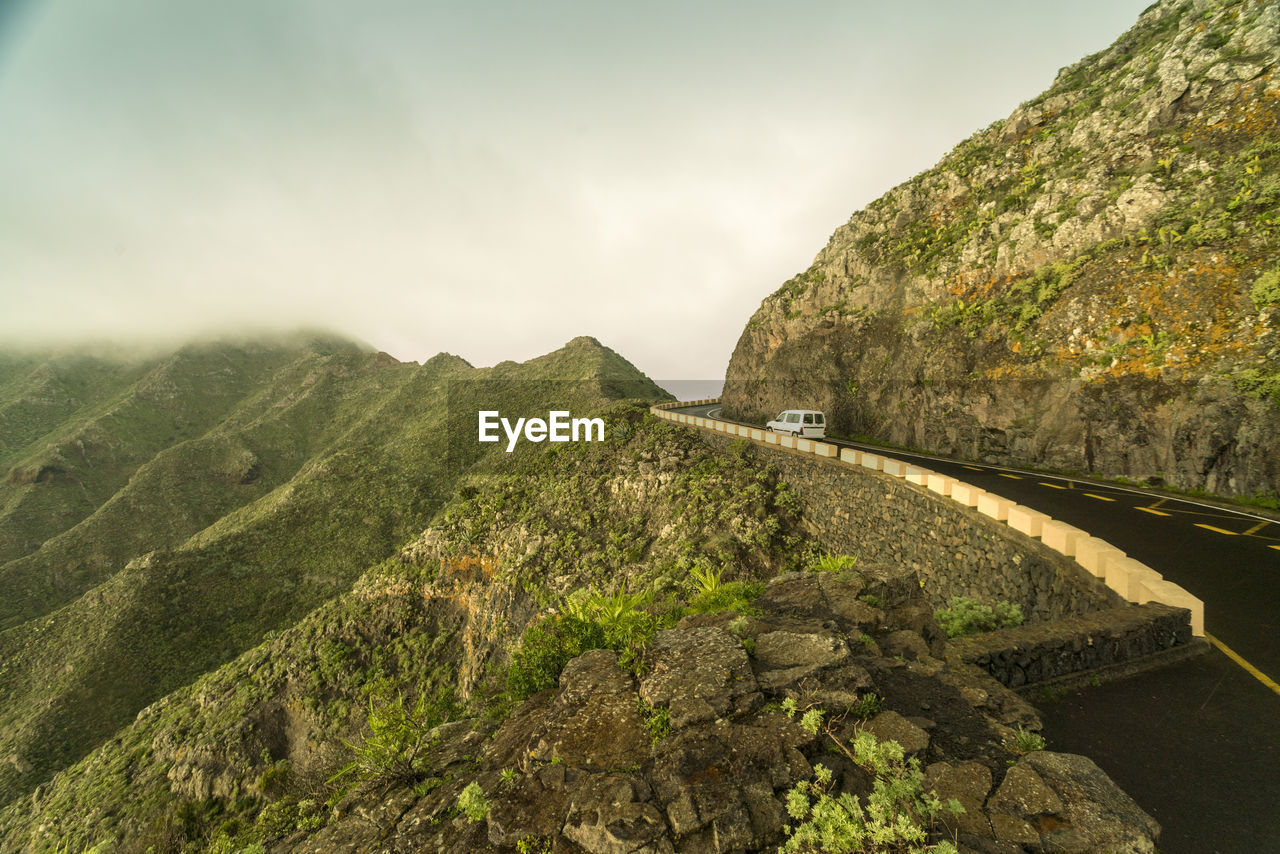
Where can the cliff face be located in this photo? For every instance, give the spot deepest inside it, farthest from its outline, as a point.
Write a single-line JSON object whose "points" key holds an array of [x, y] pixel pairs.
{"points": [[1089, 284]]}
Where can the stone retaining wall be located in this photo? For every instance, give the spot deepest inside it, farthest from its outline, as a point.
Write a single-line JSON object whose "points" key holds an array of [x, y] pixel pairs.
{"points": [[940, 552], [1115, 638]]}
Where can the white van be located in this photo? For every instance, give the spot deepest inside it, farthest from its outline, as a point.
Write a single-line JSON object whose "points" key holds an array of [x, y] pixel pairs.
{"points": [[808, 423]]}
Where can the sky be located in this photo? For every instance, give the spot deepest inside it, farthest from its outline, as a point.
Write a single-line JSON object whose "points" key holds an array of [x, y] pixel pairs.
{"points": [[489, 179]]}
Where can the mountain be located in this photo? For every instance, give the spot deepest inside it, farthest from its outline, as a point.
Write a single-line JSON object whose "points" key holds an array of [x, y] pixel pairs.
{"points": [[1090, 284], [160, 516]]}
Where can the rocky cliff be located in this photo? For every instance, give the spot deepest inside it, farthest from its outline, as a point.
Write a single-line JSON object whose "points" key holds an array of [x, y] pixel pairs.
{"points": [[1090, 284]]}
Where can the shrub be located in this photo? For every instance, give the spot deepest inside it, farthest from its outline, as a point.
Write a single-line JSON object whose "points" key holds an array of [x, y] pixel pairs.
{"points": [[1025, 741], [627, 626], [1266, 289], [896, 816], [657, 720], [733, 596], [398, 737], [472, 802], [546, 647], [834, 563], [969, 616]]}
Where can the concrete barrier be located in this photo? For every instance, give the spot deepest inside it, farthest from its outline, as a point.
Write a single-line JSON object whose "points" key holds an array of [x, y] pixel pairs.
{"points": [[994, 506], [940, 484], [1061, 537], [1168, 593], [1026, 520], [966, 494], [1094, 554], [1133, 580], [1119, 570]]}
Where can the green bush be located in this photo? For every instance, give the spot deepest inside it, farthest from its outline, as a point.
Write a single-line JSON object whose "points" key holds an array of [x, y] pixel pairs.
{"points": [[546, 647], [834, 563], [896, 816], [733, 596], [472, 802], [399, 736], [627, 625], [1266, 289], [969, 616]]}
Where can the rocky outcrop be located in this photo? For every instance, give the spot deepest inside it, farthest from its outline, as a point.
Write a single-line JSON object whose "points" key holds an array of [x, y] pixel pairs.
{"points": [[1072, 286], [581, 769]]}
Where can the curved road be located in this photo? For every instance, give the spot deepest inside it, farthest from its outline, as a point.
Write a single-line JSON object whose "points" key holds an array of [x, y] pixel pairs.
{"points": [[1196, 743]]}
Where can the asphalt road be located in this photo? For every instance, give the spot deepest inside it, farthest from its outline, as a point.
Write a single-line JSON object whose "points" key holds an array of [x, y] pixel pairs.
{"points": [[1197, 744]]}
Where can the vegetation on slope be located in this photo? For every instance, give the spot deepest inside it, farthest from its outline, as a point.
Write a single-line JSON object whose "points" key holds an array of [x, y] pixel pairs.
{"points": [[240, 527], [269, 730]]}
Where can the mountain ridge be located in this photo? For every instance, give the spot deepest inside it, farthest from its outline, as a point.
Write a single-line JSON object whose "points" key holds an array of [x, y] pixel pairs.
{"points": [[214, 518]]}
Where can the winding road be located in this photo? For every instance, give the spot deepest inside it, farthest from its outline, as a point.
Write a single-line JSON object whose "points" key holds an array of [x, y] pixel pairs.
{"points": [[1196, 743]]}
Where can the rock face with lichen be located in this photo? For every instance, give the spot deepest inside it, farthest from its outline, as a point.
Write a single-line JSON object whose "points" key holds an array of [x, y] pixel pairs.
{"points": [[1089, 284], [576, 769]]}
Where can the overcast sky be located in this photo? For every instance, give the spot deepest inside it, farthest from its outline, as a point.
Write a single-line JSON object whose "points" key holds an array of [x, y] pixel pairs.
{"points": [[485, 178]]}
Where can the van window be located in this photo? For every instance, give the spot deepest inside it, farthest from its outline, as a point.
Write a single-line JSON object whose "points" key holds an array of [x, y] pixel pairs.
{"points": [[793, 417], [808, 418], [817, 419]]}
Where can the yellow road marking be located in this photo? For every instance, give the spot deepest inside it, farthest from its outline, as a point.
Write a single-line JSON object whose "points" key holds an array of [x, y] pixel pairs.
{"points": [[973, 468], [1154, 512], [1253, 671], [1099, 497], [1277, 548], [1010, 476], [1258, 527], [1215, 530], [1158, 503], [1053, 485]]}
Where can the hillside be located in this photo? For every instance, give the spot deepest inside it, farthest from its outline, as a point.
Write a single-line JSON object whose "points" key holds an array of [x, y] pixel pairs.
{"points": [[160, 517], [1090, 284], [599, 643]]}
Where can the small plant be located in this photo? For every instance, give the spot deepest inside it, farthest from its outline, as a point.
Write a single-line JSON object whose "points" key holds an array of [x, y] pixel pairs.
{"points": [[472, 802], [834, 563], [731, 596], [969, 616], [399, 736], [789, 707], [1025, 741], [510, 775], [871, 599], [739, 627], [657, 720], [896, 817], [706, 580], [1266, 289], [868, 706], [546, 648]]}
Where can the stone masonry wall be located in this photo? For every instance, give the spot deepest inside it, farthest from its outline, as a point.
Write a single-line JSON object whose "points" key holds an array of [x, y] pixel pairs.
{"points": [[1034, 653], [956, 550]]}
